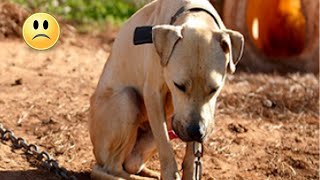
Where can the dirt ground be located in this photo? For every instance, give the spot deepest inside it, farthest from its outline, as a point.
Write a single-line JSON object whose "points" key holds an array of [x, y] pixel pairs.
{"points": [[267, 125]]}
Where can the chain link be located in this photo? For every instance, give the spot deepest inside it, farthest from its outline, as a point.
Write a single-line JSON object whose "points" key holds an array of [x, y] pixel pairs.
{"points": [[198, 153], [32, 150]]}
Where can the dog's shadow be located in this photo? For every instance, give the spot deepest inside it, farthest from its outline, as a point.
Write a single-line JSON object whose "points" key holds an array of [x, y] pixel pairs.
{"points": [[37, 174]]}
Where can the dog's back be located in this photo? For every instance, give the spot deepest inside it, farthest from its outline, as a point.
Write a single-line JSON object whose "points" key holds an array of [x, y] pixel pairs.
{"points": [[131, 59]]}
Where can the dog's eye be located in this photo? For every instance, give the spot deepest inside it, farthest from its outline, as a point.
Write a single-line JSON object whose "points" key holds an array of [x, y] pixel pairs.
{"points": [[180, 87]]}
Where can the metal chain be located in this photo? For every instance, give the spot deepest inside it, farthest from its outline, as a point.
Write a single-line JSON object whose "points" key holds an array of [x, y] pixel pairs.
{"points": [[198, 153], [32, 150]]}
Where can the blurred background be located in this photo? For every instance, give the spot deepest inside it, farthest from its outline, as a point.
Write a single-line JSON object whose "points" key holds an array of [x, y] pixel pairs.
{"points": [[281, 35], [85, 11], [267, 116]]}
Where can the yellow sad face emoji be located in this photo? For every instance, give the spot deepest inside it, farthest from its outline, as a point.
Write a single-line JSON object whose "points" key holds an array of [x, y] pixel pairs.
{"points": [[41, 31]]}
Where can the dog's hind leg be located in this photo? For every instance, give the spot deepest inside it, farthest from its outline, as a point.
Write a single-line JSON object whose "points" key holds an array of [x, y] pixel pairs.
{"points": [[98, 173], [113, 129], [143, 150]]}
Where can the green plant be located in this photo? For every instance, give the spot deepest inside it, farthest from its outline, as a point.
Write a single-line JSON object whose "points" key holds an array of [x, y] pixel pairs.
{"points": [[85, 11]]}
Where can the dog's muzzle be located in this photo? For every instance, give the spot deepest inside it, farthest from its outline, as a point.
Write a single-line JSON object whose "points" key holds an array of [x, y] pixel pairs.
{"points": [[196, 132]]}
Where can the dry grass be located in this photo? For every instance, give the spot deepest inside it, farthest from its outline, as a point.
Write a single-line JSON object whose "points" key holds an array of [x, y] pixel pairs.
{"points": [[12, 18], [276, 98]]}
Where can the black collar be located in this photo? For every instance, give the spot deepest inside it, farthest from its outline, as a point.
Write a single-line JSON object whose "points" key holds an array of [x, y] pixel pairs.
{"points": [[143, 34], [185, 9]]}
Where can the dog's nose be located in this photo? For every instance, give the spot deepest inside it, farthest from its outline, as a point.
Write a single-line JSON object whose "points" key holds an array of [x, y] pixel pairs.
{"points": [[195, 132]]}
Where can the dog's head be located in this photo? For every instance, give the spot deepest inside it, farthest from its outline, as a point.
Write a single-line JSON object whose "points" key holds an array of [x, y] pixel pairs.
{"points": [[195, 62]]}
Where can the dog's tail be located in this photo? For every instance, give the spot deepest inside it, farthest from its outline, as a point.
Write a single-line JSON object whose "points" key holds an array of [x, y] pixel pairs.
{"points": [[98, 173]]}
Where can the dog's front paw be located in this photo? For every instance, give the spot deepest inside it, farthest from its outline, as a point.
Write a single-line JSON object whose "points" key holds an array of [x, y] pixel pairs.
{"points": [[176, 176]]}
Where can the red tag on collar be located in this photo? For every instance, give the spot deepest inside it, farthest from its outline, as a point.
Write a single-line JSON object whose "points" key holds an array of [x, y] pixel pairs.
{"points": [[172, 135]]}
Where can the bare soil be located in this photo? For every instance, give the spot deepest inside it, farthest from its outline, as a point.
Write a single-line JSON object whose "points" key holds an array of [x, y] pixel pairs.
{"points": [[267, 125]]}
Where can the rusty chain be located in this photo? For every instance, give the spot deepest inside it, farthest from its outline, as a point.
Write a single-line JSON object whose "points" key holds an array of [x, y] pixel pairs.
{"points": [[32, 150], [198, 153]]}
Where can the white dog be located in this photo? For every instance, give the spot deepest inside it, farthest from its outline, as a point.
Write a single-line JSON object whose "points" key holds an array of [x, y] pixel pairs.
{"points": [[146, 89]]}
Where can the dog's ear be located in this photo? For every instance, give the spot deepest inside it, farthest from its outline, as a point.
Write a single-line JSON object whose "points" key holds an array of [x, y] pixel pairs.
{"points": [[234, 48], [165, 37]]}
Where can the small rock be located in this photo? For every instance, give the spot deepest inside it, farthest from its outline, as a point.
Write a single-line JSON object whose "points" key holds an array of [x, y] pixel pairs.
{"points": [[17, 82], [50, 120], [268, 103], [237, 128]]}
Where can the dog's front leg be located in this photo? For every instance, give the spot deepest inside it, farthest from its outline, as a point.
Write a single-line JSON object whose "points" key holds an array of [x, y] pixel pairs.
{"points": [[156, 114], [188, 163]]}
